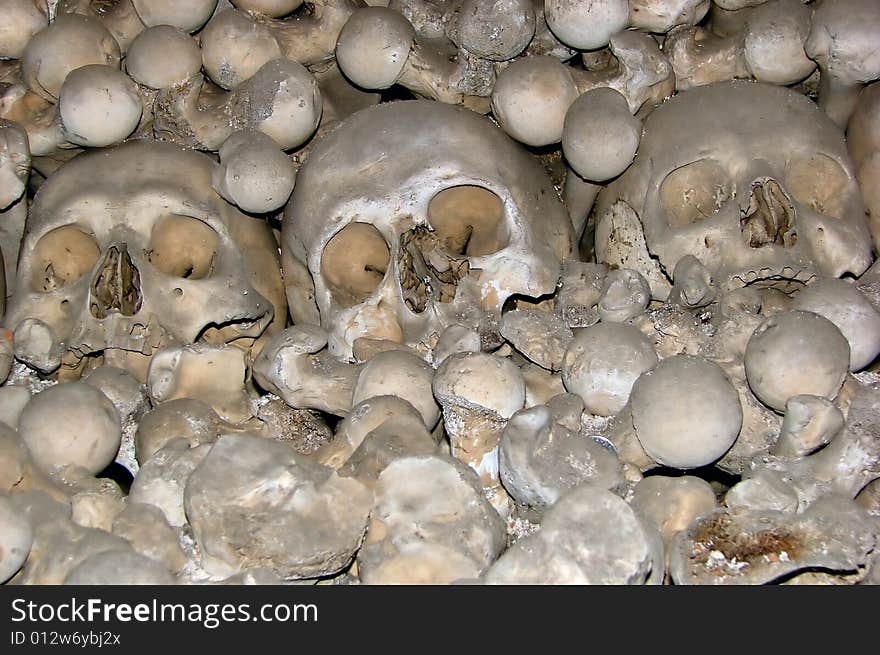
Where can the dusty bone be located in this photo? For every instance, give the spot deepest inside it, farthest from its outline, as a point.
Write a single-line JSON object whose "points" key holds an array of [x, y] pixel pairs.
{"points": [[161, 479], [660, 16], [70, 41], [281, 99], [119, 567], [479, 392], [821, 350], [13, 398], [254, 173], [271, 8], [15, 166], [639, 71], [763, 489], [541, 336], [22, 20], [192, 420], [699, 57], [692, 284], [600, 136], [296, 366], [603, 362], [580, 290], [71, 425], [540, 459], [90, 90], [511, 26], [119, 17], [700, 426], [188, 15], [530, 99], [584, 24], [96, 509], [162, 56], [234, 47], [541, 384], [850, 310], [378, 48], [589, 536], [128, 396], [400, 374], [672, 504], [843, 41], [430, 524], [16, 537], [625, 295], [59, 544], [145, 528], [863, 141], [455, 339], [215, 374], [383, 411], [253, 501], [756, 547]]}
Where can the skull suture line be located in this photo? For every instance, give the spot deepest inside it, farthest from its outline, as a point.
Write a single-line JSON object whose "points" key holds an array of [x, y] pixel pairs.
{"points": [[130, 249], [415, 215], [754, 180]]}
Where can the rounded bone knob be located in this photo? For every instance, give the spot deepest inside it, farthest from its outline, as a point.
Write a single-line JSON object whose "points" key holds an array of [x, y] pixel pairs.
{"points": [[685, 411], [850, 310], [586, 24], [254, 173], [600, 135], [373, 47], [603, 362], [162, 56], [795, 353], [99, 106], [188, 15], [71, 424], [531, 97], [498, 30], [69, 42]]}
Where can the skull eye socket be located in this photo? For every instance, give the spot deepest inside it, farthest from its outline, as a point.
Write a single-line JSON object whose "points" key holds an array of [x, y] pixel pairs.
{"points": [[63, 256], [182, 246], [354, 263], [468, 220], [694, 192], [818, 182]]}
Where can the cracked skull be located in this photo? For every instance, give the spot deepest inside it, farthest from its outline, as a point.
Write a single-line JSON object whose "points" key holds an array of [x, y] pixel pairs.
{"points": [[753, 180], [130, 250], [415, 215]]}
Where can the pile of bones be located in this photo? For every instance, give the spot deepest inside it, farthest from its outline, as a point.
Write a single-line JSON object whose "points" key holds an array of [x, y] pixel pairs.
{"points": [[440, 292]]}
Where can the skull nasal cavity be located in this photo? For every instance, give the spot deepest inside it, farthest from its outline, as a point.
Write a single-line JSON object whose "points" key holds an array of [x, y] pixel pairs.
{"points": [[769, 219], [117, 285]]}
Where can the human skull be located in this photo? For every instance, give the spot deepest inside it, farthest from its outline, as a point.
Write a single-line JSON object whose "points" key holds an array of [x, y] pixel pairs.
{"points": [[753, 180], [411, 216], [128, 250]]}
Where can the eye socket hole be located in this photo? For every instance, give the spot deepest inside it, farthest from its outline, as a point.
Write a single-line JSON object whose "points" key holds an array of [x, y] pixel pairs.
{"points": [[185, 247], [694, 192], [62, 256], [818, 182], [468, 220], [354, 263]]}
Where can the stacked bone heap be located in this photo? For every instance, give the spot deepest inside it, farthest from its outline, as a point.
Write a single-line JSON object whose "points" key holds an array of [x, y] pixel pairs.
{"points": [[440, 291]]}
